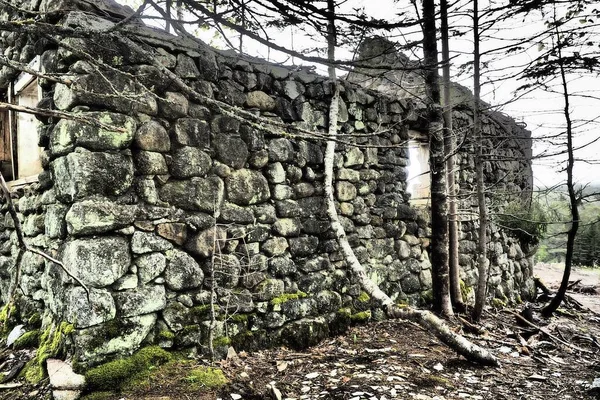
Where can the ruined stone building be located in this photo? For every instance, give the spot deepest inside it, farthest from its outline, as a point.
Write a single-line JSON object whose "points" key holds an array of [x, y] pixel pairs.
{"points": [[164, 185]]}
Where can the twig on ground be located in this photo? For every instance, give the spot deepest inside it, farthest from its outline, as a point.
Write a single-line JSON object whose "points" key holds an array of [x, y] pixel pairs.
{"points": [[545, 332]]}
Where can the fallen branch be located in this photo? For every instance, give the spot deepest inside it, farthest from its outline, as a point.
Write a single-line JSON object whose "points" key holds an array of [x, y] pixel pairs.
{"points": [[426, 319], [545, 332], [5, 386], [540, 285], [23, 245]]}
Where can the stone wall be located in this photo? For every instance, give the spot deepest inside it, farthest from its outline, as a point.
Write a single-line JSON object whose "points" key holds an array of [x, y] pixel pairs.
{"points": [[507, 168], [175, 196]]}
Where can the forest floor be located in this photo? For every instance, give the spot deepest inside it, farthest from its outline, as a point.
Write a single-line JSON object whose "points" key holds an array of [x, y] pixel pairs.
{"points": [[558, 359]]}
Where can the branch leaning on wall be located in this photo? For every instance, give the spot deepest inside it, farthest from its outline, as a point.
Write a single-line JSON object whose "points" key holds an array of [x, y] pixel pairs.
{"points": [[24, 246], [426, 319]]}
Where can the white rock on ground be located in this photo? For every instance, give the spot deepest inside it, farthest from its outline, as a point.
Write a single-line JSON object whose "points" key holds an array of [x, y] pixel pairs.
{"points": [[66, 394], [62, 376]]}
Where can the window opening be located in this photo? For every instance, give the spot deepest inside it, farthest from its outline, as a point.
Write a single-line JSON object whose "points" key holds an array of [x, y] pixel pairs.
{"points": [[419, 180]]}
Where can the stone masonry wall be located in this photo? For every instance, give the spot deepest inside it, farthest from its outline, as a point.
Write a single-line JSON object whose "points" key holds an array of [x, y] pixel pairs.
{"points": [[175, 197], [507, 169]]}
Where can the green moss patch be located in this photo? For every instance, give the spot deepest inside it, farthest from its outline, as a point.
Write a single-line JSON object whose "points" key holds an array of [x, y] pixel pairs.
{"points": [[166, 335], [287, 297], [203, 312], [465, 290], [239, 318], [8, 318], [499, 303], [27, 340], [35, 321], [206, 377], [51, 344], [361, 316], [364, 297], [221, 341], [116, 374], [180, 376]]}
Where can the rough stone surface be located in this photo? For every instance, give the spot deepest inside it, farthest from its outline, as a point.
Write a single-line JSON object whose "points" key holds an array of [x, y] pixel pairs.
{"points": [[203, 194], [150, 266], [97, 216], [189, 161], [82, 174], [150, 163], [70, 133], [260, 100], [146, 242], [246, 186], [191, 132], [84, 313], [182, 271], [204, 243], [98, 261], [133, 331], [142, 300], [152, 136]]}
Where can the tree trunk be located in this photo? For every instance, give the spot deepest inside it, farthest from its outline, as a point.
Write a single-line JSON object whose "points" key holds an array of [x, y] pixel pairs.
{"points": [[449, 149], [437, 166], [548, 310], [482, 262], [425, 318]]}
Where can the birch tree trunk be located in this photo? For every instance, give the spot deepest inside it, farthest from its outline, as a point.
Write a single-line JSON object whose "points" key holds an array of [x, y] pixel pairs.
{"points": [[437, 166], [482, 262], [425, 318], [450, 149]]}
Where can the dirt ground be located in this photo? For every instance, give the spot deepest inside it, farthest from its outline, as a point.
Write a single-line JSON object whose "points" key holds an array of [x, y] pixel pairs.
{"points": [[552, 274], [557, 359]]}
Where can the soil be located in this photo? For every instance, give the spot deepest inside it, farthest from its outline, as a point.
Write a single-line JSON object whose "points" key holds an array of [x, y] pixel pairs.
{"points": [[397, 359], [551, 274]]}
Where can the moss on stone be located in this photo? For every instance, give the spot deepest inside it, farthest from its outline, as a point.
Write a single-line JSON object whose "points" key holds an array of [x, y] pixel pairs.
{"points": [[345, 312], [427, 296], [166, 335], [518, 299], [190, 329], [109, 330], [242, 339], [364, 297], [35, 321], [465, 290], [402, 303], [498, 303], [7, 318], [29, 339], [239, 318], [51, 344], [221, 341], [361, 316], [287, 297], [115, 374], [203, 311], [207, 377]]}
